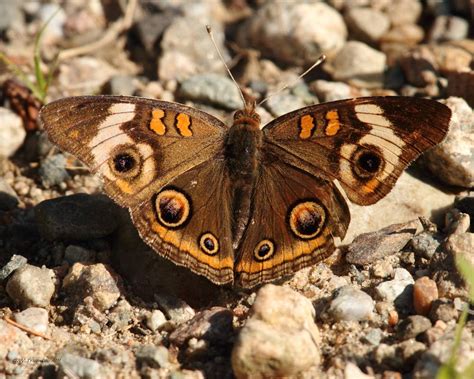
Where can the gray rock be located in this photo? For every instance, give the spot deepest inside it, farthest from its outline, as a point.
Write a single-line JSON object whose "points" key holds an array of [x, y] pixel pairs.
{"points": [[281, 104], [74, 254], [76, 217], [424, 244], [121, 85], [404, 11], [448, 28], [79, 367], [286, 31], [412, 326], [55, 29], [10, 12], [15, 262], [97, 281], [368, 247], [213, 325], [351, 304], [152, 356], [12, 132], [397, 290], [453, 160], [280, 339], [8, 197], [373, 336], [175, 309], [187, 50], [33, 318], [53, 170], [31, 286], [366, 24], [156, 320], [211, 88], [359, 65], [444, 310], [332, 91]]}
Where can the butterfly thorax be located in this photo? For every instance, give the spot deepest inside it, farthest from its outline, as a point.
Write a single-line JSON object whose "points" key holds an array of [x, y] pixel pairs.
{"points": [[243, 143]]}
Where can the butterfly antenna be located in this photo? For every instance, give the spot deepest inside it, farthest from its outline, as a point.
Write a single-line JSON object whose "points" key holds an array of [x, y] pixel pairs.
{"points": [[320, 60], [211, 36]]}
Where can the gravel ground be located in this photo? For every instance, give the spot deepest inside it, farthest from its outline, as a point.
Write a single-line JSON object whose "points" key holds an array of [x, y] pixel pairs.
{"points": [[81, 296]]}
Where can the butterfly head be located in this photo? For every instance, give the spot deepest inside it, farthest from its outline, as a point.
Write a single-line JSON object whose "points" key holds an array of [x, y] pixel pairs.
{"points": [[248, 114]]}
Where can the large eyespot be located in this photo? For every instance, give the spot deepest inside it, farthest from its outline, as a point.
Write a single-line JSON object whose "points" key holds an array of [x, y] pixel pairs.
{"points": [[209, 244], [264, 250], [172, 207], [367, 163], [307, 219], [126, 161]]}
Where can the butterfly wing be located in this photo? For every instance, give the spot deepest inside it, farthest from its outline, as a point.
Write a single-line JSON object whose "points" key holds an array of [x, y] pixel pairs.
{"points": [[162, 160], [136, 144], [294, 220], [365, 143]]}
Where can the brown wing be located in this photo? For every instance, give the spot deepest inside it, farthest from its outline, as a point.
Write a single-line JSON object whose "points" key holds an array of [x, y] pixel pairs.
{"points": [[138, 145], [365, 143], [188, 221], [294, 219]]}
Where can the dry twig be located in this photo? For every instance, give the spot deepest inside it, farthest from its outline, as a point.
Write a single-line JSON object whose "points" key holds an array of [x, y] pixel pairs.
{"points": [[26, 329]]}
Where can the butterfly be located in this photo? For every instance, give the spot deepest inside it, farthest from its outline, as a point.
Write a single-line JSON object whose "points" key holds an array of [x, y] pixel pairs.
{"points": [[241, 204]]}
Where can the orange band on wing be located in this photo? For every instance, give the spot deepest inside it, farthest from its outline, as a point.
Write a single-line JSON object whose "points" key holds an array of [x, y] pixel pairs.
{"points": [[156, 123]]}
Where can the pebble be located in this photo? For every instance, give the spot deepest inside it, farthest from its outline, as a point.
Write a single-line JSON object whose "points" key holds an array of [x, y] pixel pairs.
{"points": [[120, 85], [448, 28], [31, 286], [412, 326], [281, 104], [212, 89], [74, 253], [8, 198], [404, 12], [55, 16], [53, 170], [373, 336], [366, 24], [175, 309], [186, 49], [121, 315], [12, 132], [352, 371], [444, 310], [369, 247], [280, 338], [419, 66], [425, 245], [333, 91], [10, 13], [350, 304], [76, 217], [78, 367], [156, 320], [450, 58], [84, 75], [152, 356], [452, 161], [213, 325], [425, 292], [33, 318], [15, 262], [359, 64], [397, 290], [399, 37], [461, 246], [291, 26], [96, 280]]}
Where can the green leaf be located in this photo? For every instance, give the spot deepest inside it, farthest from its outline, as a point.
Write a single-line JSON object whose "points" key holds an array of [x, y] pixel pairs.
{"points": [[467, 271]]}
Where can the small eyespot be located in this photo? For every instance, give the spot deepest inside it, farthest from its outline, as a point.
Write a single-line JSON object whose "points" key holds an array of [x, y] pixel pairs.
{"points": [[172, 208], [367, 163], [264, 250], [209, 244], [124, 162], [307, 219]]}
